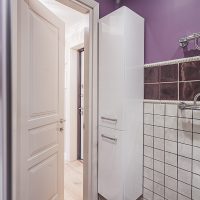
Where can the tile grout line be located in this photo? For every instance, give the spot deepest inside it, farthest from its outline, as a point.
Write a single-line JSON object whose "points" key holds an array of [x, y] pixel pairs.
{"points": [[177, 144], [178, 84], [153, 151], [172, 164], [164, 149], [188, 184], [192, 152], [143, 150], [179, 141]]}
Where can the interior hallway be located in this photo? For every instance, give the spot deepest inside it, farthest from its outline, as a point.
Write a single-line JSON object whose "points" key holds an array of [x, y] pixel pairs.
{"points": [[74, 180]]}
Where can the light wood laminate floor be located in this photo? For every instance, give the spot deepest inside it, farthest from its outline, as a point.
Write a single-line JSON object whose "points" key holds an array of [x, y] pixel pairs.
{"points": [[74, 180]]}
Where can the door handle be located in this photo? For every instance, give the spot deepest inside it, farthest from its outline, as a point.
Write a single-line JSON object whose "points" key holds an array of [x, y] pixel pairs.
{"points": [[60, 129], [62, 121]]}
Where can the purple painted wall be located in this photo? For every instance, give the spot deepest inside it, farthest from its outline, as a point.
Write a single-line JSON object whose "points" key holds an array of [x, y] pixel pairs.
{"points": [[166, 21], [106, 7]]}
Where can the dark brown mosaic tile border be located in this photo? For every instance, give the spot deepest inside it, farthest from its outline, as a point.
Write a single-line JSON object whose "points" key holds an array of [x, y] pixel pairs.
{"points": [[169, 91], [179, 81]]}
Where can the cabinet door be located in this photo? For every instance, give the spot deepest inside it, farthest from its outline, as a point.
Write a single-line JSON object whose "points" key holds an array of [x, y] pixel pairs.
{"points": [[110, 170], [111, 72]]}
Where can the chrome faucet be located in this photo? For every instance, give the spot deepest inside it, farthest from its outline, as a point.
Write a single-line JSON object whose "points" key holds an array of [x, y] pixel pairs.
{"points": [[185, 106], [196, 98]]}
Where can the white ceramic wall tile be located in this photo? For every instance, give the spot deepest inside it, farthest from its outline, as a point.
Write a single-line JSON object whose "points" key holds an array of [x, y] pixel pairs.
{"points": [[171, 122], [148, 151], [195, 193], [157, 197], [148, 119], [171, 110], [148, 162], [171, 171], [159, 166], [159, 132], [148, 184], [184, 189], [159, 178], [159, 189], [185, 137], [196, 167], [185, 176], [181, 197], [196, 153], [196, 181], [159, 155], [171, 183], [148, 140], [148, 108], [185, 150], [171, 134], [184, 163], [185, 124], [148, 130], [196, 114], [159, 120], [171, 159], [185, 113], [171, 146], [159, 109], [148, 173], [196, 139], [196, 126], [159, 143], [170, 194], [148, 195]]}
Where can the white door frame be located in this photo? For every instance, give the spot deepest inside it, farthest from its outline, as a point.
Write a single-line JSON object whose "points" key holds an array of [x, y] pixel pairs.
{"points": [[90, 180]]}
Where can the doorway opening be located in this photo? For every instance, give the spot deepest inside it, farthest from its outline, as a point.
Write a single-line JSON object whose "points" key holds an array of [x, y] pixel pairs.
{"points": [[75, 25], [80, 104]]}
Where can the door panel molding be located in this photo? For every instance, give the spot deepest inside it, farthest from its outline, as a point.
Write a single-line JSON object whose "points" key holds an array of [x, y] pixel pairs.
{"points": [[37, 143], [46, 171]]}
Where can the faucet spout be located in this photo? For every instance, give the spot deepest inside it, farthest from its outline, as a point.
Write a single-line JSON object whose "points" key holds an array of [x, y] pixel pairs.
{"points": [[196, 98]]}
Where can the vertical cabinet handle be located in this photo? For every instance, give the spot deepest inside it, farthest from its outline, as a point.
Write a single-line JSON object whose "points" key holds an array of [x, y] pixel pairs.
{"points": [[109, 119], [109, 138]]}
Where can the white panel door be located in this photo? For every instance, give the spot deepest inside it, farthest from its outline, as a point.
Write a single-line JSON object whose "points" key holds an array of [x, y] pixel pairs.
{"points": [[42, 104]]}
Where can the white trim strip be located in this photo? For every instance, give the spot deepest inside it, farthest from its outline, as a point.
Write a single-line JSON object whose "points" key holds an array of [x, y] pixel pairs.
{"points": [[168, 101], [171, 62], [161, 101]]}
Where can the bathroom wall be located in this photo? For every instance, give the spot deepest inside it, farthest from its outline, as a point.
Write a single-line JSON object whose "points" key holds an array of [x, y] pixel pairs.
{"points": [[106, 7], [171, 136], [166, 21], [172, 80], [171, 153]]}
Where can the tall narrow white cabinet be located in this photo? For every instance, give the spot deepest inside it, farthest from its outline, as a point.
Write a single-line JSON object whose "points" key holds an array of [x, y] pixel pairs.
{"points": [[121, 61]]}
